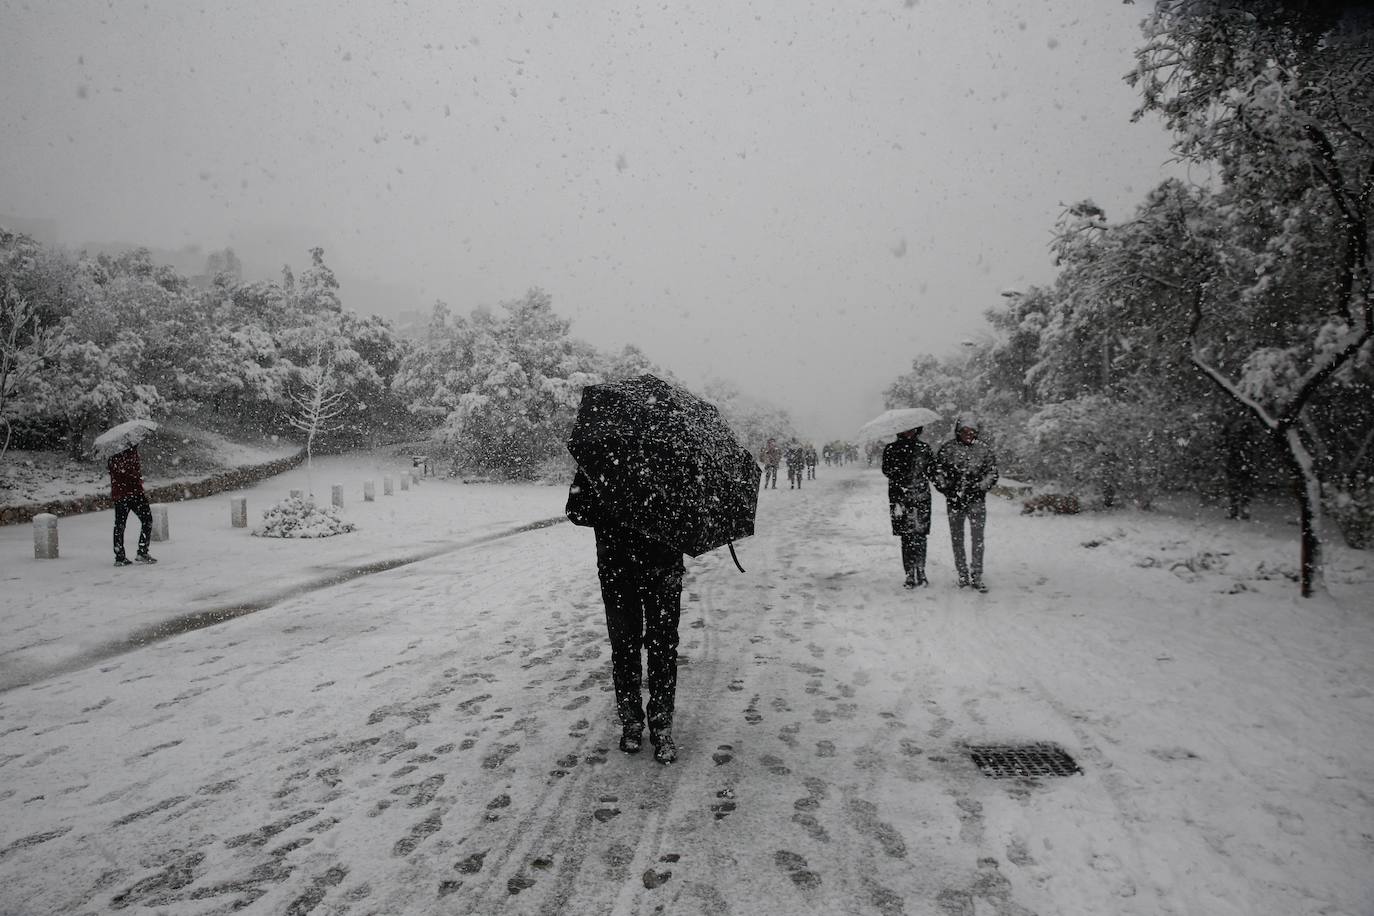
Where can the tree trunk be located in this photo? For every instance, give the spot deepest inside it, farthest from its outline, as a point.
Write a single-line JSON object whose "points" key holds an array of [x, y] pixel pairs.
{"points": [[1309, 492]]}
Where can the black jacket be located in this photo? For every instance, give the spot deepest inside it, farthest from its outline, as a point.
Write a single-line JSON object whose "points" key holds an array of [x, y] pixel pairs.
{"points": [[584, 508], [964, 473], [907, 465]]}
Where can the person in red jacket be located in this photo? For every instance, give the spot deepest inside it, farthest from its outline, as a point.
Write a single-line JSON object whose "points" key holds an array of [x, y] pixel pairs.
{"points": [[126, 489]]}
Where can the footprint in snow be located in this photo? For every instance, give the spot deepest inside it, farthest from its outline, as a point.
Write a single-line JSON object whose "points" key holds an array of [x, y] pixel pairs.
{"points": [[472, 864], [726, 807], [795, 867]]}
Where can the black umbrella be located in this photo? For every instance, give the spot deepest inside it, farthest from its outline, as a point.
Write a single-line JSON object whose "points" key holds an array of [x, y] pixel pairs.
{"points": [[661, 460]]}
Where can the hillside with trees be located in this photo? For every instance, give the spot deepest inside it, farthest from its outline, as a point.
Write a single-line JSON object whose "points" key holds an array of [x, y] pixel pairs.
{"points": [[88, 341]]}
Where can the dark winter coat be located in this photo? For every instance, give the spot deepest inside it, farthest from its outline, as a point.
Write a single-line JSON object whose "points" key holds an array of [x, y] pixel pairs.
{"points": [[126, 474], [907, 465], [964, 473], [586, 508], [770, 456]]}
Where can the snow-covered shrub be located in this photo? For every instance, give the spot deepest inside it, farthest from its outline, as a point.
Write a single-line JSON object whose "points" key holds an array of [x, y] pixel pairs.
{"points": [[1352, 509], [298, 517]]}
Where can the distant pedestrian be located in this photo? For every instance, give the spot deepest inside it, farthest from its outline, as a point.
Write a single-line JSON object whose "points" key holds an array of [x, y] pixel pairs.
{"points": [[795, 458], [810, 457], [641, 587], [126, 489], [965, 470], [770, 458], [907, 465]]}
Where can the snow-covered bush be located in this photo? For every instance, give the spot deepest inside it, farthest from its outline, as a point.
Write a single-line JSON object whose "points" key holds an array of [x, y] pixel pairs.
{"points": [[299, 517], [1352, 508]]}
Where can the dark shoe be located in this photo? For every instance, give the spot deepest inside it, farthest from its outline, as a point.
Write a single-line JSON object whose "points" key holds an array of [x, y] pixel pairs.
{"points": [[123, 561], [144, 558], [632, 739], [910, 581], [921, 578], [978, 584], [665, 751], [963, 580]]}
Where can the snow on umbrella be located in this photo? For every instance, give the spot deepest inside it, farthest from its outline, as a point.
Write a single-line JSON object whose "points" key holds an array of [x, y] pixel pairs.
{"points": [[662, 461], [116, 439], [892, 422]]}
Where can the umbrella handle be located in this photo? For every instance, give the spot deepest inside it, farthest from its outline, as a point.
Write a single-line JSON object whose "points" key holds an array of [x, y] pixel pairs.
{"points": [[733, 557]]}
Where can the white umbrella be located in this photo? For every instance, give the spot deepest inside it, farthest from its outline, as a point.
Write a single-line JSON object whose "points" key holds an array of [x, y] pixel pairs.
{"points": [[892, 422], [116, 439]]}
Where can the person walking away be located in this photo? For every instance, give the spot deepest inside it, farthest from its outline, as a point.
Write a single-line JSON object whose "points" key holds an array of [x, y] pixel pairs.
{"points": [[907, 465], [795, 462], [126, 489], [770, 457], [965, 469], [810, 456], [641, 587]]}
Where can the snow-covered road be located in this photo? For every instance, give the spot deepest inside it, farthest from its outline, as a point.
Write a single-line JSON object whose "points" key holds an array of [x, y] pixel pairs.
{"points": [[439, 738]]}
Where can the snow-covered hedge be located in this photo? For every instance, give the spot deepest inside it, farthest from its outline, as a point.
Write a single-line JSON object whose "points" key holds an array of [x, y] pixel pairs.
{"points": [[299, 517]]}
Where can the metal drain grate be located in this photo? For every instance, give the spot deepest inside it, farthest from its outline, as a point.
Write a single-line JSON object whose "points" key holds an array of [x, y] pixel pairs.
{"points": [[1023, 761]]}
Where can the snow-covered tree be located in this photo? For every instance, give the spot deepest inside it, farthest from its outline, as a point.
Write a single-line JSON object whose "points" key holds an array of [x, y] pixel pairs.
{"points": [[1278, 97], [753, 420], [24, 347], [318, 405], [506, 385]]}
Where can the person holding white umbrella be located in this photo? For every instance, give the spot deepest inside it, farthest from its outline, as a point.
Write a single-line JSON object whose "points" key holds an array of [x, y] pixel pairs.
{"points": [[907, 464], [126, 485]]}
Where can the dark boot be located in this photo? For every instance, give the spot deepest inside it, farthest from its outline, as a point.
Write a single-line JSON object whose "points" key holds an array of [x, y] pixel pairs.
{"points": [[632, 738], [665, 751]]}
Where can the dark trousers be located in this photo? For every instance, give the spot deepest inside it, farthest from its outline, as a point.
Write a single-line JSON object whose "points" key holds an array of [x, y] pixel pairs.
{"points": [[914, 554], [641, 586], [974, 517], [770, 473], [138, 505]]}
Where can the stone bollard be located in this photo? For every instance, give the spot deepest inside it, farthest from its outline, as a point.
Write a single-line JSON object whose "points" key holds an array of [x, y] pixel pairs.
{"points": [[369, 491], [238, 512], [405, 481], [336, 495], [45, 536], [298, 494], [160, 523], [386, 485]]}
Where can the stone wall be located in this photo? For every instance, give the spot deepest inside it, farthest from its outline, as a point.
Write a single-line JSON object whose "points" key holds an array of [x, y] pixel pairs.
{"points": [[177, 491]]}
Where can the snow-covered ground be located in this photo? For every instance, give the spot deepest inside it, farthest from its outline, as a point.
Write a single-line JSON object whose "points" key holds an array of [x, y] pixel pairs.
{"points": [[438, 737]]}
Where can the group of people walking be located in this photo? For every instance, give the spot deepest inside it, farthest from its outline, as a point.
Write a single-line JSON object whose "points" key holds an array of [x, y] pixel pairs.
{"points": [[963, 470], [641, 579], [800, 460]]}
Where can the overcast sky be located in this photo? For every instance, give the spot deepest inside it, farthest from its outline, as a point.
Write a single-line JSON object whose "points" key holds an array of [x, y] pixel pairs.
{"points": [[796, 196]]}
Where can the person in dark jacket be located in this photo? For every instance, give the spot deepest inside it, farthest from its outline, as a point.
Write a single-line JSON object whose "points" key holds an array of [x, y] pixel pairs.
{"points": [[965, 469], [126, 489], [770, 458], [795, 457], [641, 587], [907, 465]]}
